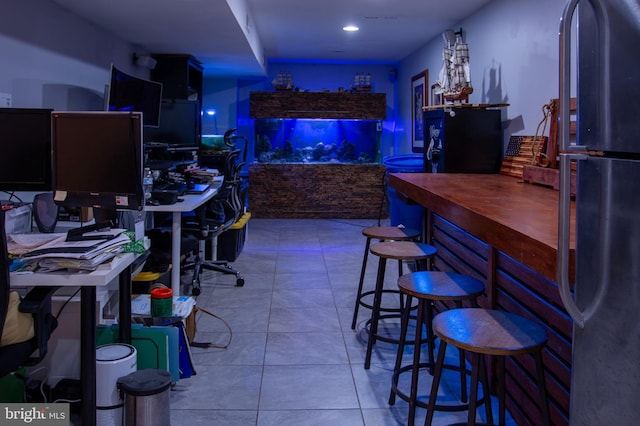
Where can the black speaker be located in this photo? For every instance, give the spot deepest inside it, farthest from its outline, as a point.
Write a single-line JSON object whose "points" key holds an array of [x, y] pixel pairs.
{"points": [[45, 212]]}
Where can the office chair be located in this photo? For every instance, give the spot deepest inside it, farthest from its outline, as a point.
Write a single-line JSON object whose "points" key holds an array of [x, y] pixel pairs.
{"points": [[37, 302], [216, 217], [45, 212]]}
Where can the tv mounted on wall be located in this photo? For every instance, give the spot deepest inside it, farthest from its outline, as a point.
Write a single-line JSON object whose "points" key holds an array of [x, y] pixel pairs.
{"points": [[97, 159], [130, 93], [25, 143]]}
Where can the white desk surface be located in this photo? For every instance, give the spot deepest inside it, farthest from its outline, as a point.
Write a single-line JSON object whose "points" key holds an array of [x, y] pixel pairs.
{"points": [[100, 277], [190, 202]]}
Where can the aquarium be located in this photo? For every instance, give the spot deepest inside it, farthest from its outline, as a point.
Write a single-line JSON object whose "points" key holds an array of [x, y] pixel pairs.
{"points": [[213, 144], [316, 141]]}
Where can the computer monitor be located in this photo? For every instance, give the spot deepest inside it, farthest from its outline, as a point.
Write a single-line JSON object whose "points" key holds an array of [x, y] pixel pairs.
{"points": [[179, 127], [25, 147], [130, 93], [97, 159]]}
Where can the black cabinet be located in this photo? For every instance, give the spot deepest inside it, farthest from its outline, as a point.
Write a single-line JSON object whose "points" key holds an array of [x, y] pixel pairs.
{"points": [[463, 140], [180, 75]]}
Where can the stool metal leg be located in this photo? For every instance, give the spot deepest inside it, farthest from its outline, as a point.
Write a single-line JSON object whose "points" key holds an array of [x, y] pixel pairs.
{"points": [[435, 383], [501, 392], [377, 300], [413, 396], [361, 283], [475, 366], [462, 362], [486, 392], [544, 402], [479, 368], [431, 338], [406, 313]]}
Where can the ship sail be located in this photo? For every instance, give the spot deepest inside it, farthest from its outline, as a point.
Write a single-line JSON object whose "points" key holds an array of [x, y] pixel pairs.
{"points": [[454, 79]]}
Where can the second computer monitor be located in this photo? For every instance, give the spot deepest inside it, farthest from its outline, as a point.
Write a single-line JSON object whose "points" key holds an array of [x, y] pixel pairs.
{"points": [[97, 159]]}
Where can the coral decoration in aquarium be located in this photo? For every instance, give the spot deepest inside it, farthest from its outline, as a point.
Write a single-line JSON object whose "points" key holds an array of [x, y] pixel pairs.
{"points": [[213, 144], [316, 141]]}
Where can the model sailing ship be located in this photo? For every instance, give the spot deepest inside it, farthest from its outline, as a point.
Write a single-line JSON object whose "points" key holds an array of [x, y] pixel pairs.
{"points": [[454, 79]]}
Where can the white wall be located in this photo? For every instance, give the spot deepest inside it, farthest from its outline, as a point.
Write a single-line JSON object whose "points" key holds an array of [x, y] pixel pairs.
{"points": [[51, 58], [513, 48]]}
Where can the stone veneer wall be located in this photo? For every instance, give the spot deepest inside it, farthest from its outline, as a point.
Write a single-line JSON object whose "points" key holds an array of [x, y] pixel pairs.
{"points": [[312, 191], [332, 105]]}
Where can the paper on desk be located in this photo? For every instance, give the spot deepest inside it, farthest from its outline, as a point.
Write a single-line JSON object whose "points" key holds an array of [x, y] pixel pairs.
{"points": [[85, 249], [18, 244], [52, 264]]}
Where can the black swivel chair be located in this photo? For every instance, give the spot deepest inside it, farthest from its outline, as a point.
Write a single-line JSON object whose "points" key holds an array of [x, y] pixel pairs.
{"points": [[216, 217], [38, 303]]}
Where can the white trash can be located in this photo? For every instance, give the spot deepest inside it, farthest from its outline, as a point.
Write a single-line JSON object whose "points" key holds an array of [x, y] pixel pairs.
{"points": [[112, 362]]}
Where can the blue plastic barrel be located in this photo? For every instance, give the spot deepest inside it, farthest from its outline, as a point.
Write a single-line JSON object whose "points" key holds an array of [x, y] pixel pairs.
{"points": [[401, 213]]}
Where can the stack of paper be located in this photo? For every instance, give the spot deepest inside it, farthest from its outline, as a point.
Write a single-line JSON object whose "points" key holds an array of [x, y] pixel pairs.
{"points": [[86, 254]]}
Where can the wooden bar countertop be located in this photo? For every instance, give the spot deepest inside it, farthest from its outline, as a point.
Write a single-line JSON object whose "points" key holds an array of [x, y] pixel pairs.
{"points": [[517, 218]]}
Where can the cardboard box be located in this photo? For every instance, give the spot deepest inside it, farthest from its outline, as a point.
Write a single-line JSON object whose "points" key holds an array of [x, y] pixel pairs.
{"points": [[78, 214]]}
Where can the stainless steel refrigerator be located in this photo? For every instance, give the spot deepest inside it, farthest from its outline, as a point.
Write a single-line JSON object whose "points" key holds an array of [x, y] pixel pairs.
{"points": [[605, 302]]}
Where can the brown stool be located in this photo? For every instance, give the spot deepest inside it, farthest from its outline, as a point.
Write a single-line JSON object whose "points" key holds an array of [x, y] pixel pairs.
{"points": [[419, 253], [381, 233], [493, 333], [428, 287]]}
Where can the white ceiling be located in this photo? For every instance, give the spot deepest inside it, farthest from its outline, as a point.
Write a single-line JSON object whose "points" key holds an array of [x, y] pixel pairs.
{"points": [[275, 29]]}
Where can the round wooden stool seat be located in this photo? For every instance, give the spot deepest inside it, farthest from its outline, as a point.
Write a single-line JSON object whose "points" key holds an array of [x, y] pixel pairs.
{"points": [[427, 287], [494, 333], [403, 250], [410, 251], [391, 233], [435, 285], [489, 332], [381, 233]]}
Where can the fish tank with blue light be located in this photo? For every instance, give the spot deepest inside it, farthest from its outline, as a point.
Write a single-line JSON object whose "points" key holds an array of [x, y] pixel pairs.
{"points": [[295, 140]]}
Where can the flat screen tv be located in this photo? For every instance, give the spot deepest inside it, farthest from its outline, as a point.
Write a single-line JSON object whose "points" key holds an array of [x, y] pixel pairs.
{"points": [[97, 159], [25, 144], [130, 93], [180, 125]]}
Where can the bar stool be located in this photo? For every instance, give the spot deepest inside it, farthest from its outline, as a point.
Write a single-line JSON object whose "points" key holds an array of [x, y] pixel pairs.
{"points": [[428, 287], [493, 333], [419, 253], [382, 233]]}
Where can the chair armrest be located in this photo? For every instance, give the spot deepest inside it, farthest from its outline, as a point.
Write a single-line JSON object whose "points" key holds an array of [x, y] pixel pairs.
{"points": [[37, 302], [37, 299]]}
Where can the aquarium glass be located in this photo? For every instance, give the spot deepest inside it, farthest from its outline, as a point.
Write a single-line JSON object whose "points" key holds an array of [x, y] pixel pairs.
{"points": [[316, 141]]}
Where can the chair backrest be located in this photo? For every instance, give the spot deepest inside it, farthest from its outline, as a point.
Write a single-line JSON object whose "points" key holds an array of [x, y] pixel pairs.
{"points": [[45, 212]]}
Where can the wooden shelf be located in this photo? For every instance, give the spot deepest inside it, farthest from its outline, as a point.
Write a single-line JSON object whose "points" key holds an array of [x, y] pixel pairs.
{"points": [[331, 105]]}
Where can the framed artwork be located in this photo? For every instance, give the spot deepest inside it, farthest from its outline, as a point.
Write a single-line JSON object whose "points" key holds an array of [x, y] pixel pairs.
{"points": [[419, 93]]}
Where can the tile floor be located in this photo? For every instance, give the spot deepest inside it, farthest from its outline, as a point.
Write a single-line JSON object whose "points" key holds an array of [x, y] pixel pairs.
{"points": [[293, 358]]}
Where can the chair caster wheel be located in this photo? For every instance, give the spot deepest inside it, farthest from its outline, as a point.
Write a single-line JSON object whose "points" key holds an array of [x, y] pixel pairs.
{"points": [[240, 282], [195, 291]]}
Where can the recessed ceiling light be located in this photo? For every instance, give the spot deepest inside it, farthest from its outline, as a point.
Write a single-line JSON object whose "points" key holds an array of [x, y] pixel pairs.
{"points": [[350, 28]]}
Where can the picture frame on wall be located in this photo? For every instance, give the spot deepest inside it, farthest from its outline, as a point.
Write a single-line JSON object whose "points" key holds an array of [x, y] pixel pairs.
{"points": [[419, 99]]}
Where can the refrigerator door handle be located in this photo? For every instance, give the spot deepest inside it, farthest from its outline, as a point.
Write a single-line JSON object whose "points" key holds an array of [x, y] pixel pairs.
{"points": [[564, 238], [567, 153], [565, 76]]}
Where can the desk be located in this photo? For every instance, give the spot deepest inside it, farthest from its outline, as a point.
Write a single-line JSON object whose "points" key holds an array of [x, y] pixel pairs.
{"points": [[121, 267], [190, 203]]}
